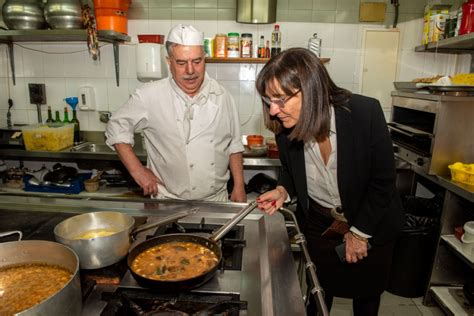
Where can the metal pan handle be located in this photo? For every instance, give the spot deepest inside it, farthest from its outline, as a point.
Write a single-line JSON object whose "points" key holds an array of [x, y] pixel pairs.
{"points": [[234, 221], [165, 220], [5, 234]]}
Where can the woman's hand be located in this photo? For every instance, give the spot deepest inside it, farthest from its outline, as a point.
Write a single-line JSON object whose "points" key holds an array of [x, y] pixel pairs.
{"points": [[356, 249], [271, 201], [147, 180]]}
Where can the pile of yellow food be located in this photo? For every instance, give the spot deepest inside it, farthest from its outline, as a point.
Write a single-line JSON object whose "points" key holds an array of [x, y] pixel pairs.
{"points": [[463, 79], [94, 233], [44, 137], [462, 172]]}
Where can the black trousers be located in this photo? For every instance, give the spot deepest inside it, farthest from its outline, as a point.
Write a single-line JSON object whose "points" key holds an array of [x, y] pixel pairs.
{"points": [[363, 281]]}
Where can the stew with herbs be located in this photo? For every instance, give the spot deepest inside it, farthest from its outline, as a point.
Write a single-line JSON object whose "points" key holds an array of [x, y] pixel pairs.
{"points": [[174, 261]]}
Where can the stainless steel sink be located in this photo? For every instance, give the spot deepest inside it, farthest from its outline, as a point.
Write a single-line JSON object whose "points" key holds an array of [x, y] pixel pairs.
{"points": [[92, 148]]}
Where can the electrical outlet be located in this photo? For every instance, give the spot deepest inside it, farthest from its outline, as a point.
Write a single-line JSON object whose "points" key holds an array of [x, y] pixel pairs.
{"points": [[37, 93]]}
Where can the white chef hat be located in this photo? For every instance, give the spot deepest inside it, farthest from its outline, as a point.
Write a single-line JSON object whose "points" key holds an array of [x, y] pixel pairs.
{"points": [[186, 35]]}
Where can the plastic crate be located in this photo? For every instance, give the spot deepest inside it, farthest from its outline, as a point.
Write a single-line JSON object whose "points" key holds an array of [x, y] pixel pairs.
{"points": [[463, 173]]}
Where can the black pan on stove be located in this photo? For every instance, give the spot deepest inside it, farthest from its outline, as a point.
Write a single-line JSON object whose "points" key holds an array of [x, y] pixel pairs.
{"points": [[210, 242]]}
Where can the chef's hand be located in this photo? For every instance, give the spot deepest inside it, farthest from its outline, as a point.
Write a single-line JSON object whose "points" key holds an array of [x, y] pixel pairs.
{"points": [[356, 249], [238, 194], [271, 201], [147, 180]]}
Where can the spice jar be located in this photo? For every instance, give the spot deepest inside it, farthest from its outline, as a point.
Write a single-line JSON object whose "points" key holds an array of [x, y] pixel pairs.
{"points": [[246, 45], [233, 49], [220, 45]]}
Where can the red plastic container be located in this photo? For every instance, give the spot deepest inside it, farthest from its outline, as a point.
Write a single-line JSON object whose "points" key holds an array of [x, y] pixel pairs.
{"points": [[112, 4], [467, 22], [112, 15], [151, 38]]}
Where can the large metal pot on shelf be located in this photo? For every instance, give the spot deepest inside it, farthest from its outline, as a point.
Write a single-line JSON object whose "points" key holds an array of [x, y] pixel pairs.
{"points": [[63, 14], [26, 253], [23, 14]]}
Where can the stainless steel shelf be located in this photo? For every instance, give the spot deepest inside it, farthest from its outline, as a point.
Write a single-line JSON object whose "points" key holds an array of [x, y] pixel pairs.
{"points": [[454, 45], [452, 300], [460, 249], [75, 35]]}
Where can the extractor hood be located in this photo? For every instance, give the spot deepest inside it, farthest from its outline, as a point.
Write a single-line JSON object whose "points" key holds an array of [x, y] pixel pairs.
{"points": [[256, 11]]}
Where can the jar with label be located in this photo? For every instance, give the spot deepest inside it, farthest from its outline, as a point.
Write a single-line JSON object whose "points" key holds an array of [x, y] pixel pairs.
{"points": [[233, 49], [246, 45], [220, 46]]}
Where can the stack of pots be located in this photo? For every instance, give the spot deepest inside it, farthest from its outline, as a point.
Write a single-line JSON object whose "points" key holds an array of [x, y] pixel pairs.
{"points": [[111, 15]]}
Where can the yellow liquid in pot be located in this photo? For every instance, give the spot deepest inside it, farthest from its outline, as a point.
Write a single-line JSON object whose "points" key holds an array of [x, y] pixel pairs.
{"points": [[94, 233]]}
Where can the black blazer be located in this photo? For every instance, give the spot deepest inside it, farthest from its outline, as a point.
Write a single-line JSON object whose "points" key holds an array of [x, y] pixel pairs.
{"points": [[365, 170]]}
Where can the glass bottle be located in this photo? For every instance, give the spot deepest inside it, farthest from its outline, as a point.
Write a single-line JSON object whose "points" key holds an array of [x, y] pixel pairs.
{"points": [[57, 119], [261, 47], [50, 115], [267, 49], [77, 128], [276, 41], [66, 116]]}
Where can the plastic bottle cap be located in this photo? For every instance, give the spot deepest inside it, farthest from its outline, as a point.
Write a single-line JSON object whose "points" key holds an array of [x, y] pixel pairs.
{"points": [[277, 26], [233, 34]]}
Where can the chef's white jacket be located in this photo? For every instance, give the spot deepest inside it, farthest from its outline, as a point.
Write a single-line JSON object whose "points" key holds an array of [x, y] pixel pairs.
{"points": [[191, 167]]}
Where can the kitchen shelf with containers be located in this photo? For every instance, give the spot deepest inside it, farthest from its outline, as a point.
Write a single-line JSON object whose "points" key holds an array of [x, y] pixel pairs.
{"points": [[61, 35], [452, 276]]}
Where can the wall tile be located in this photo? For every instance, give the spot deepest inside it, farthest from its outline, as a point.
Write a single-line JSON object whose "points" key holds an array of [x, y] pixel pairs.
{"points": [[344, 36], [348, 5], [300, 5], [53, 62], [228, 72], [300, 16], [182, 14], [226, 14], [208, 27], [117, 95], [19, 94], [227, 4], [247, 98], [205, 14], [324, 5], [343, 65], [410, 65], [74, 62], [32, 60], [282, 5], [3, 93], [3, 118], [282, 15], [138, 13], [159, 3], [159, 14], [323, 16], [343, 16], [138, 27], [205, 4], [56, 93], [139, 4], [19, 116], [182, 4]]}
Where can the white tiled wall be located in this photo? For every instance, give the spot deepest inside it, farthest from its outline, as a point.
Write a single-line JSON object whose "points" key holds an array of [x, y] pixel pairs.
{"points": [[64, 67]]}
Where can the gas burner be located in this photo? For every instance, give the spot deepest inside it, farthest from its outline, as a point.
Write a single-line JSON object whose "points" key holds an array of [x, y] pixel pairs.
{"points": [[138, 302]]}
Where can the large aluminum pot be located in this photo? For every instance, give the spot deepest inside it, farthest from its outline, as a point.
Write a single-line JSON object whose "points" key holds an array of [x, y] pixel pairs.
{"points": [[23, 14], [63, 14], [68, 301], [103, 251]]}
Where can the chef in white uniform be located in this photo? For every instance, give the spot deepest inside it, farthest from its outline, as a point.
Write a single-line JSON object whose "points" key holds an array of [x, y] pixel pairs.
{"points": [[190, 126]]}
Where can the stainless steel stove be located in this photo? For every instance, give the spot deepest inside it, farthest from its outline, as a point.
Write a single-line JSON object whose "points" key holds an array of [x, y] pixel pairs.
{"points": [[258, 278]]}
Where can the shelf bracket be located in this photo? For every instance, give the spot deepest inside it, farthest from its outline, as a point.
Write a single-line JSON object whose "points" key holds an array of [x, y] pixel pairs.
{"points": [[11, 56], [116, 61]]}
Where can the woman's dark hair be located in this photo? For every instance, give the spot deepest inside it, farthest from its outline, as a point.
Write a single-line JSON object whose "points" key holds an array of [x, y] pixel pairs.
{"points": [[299, 68]]}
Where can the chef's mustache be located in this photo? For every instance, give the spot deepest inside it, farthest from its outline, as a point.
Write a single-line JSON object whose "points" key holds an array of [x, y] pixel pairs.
{"points": [[191, 77]]}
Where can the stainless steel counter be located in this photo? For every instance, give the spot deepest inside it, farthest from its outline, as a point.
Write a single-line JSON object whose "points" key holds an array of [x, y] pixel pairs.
{"points": [[268, 279], [68, 155]]}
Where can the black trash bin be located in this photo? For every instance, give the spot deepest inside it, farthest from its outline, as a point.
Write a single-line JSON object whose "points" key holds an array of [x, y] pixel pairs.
{"points": [[415, 249]]}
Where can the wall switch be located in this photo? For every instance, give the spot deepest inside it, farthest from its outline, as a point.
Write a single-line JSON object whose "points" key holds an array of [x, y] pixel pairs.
{"points": [[37, 93]]}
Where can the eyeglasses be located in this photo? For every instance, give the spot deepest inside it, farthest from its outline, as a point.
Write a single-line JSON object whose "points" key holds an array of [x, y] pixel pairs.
{"points": [[280, 101]]}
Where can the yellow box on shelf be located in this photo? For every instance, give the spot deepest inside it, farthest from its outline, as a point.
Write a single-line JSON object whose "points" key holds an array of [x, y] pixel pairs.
{"points": [[462, 172], [48, 137]]}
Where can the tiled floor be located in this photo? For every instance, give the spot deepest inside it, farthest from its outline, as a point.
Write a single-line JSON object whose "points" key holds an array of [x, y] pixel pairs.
{"points": [[391, 305]]}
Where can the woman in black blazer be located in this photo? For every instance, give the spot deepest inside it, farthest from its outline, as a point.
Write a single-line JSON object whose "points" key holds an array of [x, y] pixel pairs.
{"points": [[337, 159]]}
